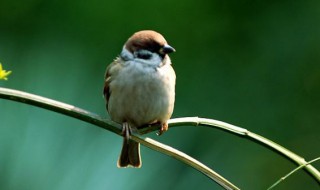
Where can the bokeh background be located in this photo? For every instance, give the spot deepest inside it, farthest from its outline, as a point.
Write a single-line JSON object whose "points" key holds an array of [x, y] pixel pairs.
{"points": [[254, 64]]}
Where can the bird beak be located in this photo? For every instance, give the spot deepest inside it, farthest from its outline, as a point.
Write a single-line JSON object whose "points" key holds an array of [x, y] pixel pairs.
{"points": [[166, 49]]}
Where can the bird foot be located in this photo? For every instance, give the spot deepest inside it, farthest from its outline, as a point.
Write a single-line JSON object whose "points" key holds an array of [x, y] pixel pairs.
{"points": [[164, 128]]}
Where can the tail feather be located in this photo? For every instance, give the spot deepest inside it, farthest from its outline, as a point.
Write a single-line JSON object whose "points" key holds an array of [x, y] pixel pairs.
{"points": [[130, 154]]}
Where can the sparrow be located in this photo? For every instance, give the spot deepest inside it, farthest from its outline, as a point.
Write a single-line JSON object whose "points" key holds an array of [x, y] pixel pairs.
{"points": [[139, 89]]}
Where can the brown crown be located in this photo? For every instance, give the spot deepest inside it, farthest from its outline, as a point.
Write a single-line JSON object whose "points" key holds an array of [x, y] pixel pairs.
{"points": [[145, 39]]}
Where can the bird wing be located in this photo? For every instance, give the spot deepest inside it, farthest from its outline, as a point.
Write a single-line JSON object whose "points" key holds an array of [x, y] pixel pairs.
{"points": [[111, 71]]}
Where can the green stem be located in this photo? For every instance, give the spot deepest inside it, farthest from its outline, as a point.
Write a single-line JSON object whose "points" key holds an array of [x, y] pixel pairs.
{"points": [[196, 121], [94, 119], [193, 121], [292, 172], [148, 142]]}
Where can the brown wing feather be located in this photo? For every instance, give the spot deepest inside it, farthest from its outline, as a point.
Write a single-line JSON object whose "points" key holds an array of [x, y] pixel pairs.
{"points": [[111, 70]]}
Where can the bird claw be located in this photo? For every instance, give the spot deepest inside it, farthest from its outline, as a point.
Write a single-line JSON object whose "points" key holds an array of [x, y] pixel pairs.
{"points": [[164, 128]]}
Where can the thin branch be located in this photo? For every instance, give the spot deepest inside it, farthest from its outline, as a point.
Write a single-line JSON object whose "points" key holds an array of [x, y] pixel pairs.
{"points": [[292, 172], [155, 145], [211, 123], [116, 128], [193, 121]]}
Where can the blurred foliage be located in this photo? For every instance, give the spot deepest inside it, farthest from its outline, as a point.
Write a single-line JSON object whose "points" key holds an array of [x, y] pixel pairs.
{"points": [[255, 64]]}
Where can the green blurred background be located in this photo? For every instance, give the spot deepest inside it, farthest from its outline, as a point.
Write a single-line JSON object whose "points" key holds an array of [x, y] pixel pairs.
{"points": [[254, 64]]}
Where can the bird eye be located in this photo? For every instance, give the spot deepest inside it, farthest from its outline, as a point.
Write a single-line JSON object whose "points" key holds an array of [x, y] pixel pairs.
{"points": [[143, 54]]}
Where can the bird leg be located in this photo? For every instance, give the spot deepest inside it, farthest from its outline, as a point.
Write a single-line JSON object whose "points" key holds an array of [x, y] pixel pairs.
{"points": [[126, 131]]}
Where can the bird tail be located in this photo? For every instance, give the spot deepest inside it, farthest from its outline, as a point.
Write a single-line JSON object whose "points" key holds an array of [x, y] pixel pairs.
{"points": [[130, 154]]}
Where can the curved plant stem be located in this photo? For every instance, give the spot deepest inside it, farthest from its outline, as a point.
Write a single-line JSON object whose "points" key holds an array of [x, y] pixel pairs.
{"points": [[292, 172], [89, 117], [155, 145], [196, 121], [193, 121]]}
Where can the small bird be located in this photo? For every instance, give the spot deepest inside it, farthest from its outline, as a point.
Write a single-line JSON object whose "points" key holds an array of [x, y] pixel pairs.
{"points": [[139, 89]]}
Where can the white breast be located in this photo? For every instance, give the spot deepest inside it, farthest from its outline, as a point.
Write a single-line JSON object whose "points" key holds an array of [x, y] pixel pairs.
{"points": [[142, 93]]}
